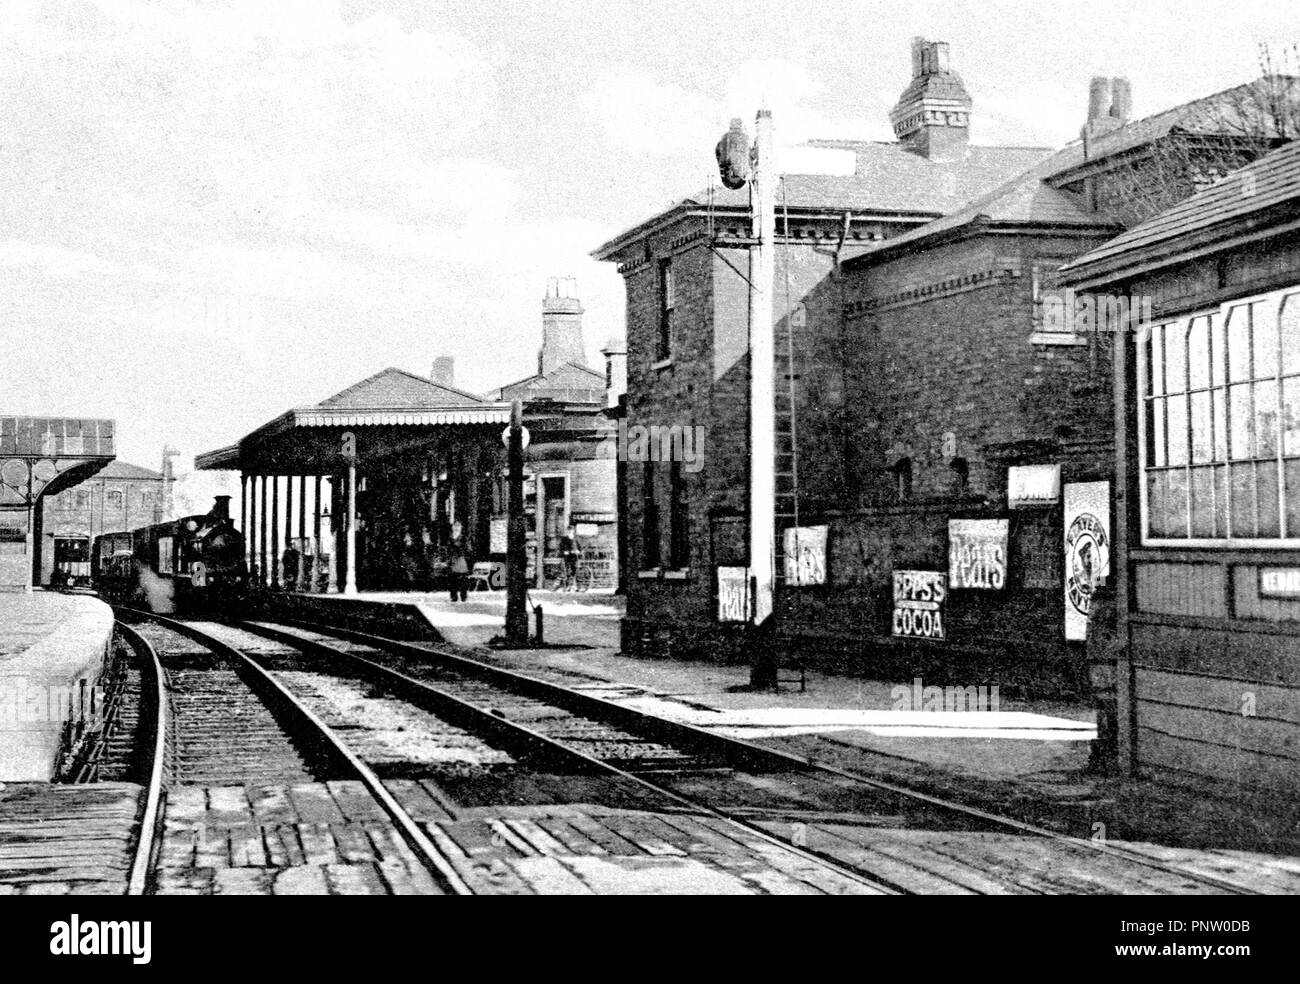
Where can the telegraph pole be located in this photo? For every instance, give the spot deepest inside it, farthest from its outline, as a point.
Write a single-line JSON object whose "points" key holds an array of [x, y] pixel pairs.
{"points": [[762, 399], [516, 559]]}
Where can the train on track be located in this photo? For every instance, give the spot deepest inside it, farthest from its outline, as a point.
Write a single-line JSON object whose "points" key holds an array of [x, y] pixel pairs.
{"points": [[195, 563]]}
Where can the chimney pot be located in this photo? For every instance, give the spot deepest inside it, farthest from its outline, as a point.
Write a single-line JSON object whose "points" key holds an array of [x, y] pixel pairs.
{"points": [[918, 56], [1098, 97], [1121, 101]]}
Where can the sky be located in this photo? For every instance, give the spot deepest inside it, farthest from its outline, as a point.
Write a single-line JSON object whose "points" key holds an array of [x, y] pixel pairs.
{"points": [[213, 211]]}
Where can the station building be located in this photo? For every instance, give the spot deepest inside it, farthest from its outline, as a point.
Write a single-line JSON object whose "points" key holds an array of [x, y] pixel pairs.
{"points": [[374, 483], [570, 468], [120, 497], [1207, 479], [938, 422], [41, 457]]}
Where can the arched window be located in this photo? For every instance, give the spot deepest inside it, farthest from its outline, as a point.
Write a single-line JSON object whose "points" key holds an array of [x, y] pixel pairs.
{"points": [[114, 499], [902, 472]]}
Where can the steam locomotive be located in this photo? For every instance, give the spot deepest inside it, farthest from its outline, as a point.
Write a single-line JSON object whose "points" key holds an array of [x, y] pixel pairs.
{"points": [[195, 563]]}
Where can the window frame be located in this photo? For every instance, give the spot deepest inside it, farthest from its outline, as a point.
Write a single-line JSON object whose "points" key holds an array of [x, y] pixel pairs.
{"points": [[651, 528], [679, 540], [667, 286], [1288, 539]]}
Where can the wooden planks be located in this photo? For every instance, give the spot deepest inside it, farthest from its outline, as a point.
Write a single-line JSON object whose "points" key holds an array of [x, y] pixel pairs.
{"points": [[67, 840]]}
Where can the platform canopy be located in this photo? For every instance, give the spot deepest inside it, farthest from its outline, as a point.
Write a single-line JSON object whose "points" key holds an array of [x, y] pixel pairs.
{"points": [[384, 413], [49, 454]]}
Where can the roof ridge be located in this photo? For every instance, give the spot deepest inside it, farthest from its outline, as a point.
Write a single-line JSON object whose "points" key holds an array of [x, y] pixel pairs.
{"points": [[431, 382]]}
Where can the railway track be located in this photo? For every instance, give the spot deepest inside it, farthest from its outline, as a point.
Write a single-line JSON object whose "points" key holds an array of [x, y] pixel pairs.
{"points": [[898, 838], [415, 744], [251, 792]]}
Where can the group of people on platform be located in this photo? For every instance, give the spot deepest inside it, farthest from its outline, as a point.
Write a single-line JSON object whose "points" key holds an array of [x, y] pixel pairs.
{"points": [[459, 565]]}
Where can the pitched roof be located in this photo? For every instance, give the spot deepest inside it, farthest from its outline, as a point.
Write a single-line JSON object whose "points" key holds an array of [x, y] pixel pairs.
{"points": [[1025, 199], [1271, 180], [124, 469], [1245, 110], [396, 388], [887, 179], [1031, 198], [568, 377]]}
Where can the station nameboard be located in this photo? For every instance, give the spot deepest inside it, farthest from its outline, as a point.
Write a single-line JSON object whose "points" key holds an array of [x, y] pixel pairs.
{"points": [[977, 553], [733, 594], [1033, 485], [805, 555], [1279, 582], [918, 603]]}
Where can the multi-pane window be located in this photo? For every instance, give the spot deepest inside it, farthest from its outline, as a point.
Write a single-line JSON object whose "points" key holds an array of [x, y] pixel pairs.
{"points": [[649, 518], [1220, 424], [83, 500], [114, 499], [667, 299], [679, 544]]}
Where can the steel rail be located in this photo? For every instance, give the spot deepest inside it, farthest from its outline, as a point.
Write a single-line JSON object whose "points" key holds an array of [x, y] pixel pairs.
{"points": [[457, 710], [151, 819], [739, 749], [417, 839]]}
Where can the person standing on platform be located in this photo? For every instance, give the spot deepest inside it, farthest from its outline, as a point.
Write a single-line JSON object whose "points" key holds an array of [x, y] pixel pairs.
{"points": [[292, 560], [571, 551], [458, 573]]}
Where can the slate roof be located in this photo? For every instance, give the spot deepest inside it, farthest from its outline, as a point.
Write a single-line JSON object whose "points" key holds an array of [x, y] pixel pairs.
{"points": [[887, 179], [1033, 198], [125, 470], [566, 379], [890, 179], [392, 388], [1271, 180]]}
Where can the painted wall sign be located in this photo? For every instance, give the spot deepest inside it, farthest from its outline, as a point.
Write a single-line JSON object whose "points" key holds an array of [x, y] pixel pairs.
{"points": [[977, 553], [805, 555], [1033, 485], [918, 603], [586, 529], [1279, 582], [733, 594], [1087, 551]]}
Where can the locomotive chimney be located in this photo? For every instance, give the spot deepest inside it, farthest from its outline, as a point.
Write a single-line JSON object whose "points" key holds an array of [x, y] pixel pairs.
{"points": [[221, 507]]}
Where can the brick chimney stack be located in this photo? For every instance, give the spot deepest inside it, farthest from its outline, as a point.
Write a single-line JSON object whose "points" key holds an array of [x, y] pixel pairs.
{"points": [[932, 116], [444, 371], [1110, 100], [561, 326]]}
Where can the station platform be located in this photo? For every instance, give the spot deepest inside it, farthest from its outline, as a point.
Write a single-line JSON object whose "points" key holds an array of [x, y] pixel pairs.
{"points": [[1029, 759], [52, 650]]}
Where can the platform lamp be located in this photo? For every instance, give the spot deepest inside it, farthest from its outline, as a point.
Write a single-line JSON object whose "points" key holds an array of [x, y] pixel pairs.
{"points": [[738, 165]]}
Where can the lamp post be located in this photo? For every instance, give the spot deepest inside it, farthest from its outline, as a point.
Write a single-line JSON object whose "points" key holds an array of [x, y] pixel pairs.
{"points": [[760, 172], [516, 560]]}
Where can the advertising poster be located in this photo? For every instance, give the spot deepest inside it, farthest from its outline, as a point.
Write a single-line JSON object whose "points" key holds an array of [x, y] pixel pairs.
{"points": [[1087, 550], [977, 553], [918, 603], [805, 555], [733, 594]]}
